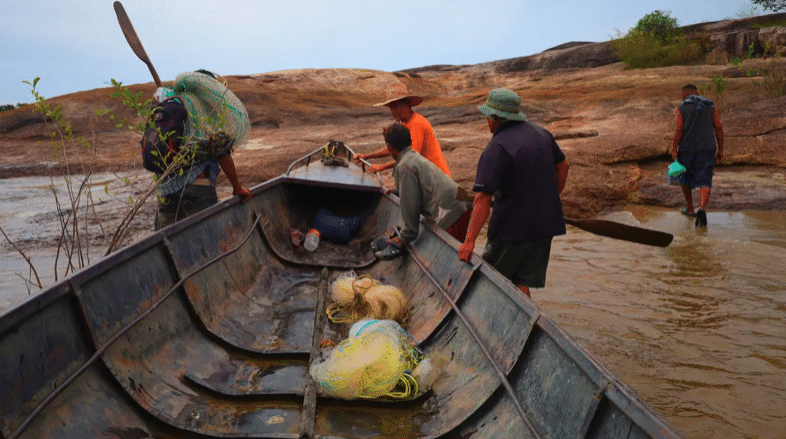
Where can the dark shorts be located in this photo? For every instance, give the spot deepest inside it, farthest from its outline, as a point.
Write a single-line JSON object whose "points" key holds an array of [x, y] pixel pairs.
{"points": [[699, 166], [524, 263], [189, 201]]}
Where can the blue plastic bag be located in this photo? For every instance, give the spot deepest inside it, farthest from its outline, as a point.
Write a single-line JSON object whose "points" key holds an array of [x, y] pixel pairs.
{"points": [[675, 170]]}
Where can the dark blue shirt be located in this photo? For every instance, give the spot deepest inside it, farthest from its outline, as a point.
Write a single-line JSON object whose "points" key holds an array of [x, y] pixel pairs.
{"points": [[518, 169], [698, 128]]}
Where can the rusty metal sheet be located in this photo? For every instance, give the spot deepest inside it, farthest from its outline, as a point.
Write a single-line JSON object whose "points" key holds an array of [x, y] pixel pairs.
{"points": [[554, 391], [274, 315], [42, 351], [151, 361]]}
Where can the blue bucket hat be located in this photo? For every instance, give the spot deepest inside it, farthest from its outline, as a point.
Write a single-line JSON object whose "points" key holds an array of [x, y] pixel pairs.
{"points": [[504, 103]]}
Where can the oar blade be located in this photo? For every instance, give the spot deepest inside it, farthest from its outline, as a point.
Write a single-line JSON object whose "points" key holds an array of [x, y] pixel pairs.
{"points": [[624, 232], [133, 39]]}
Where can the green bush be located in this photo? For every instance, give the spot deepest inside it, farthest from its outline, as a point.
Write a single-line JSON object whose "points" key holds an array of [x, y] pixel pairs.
{"points": [[659, 24], [773, 82], [657, 41], [717, 84], [768, 23], [640, 50]]}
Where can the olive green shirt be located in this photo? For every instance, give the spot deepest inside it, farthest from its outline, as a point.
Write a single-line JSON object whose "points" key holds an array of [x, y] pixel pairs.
{"points": [[423, 189]]}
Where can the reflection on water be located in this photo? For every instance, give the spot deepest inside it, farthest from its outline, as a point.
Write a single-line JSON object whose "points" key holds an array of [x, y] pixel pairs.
{"points": [[697, 329], [692, 260], [28, 215]]}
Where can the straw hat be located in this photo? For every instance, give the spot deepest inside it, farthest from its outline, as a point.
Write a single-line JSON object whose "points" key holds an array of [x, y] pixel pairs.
{"points": [[398, 91], [503, 103]]}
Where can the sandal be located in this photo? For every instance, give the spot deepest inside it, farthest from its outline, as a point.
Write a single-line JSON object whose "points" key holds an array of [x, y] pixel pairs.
{"points": [[685, 212], [701, 218]]}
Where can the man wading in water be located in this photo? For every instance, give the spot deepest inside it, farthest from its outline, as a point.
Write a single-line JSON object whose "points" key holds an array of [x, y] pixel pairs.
{"points": [[698, 128]]}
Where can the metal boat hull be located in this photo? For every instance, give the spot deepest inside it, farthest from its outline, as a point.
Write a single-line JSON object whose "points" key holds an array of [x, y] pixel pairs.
{"points": [[207, 328]]}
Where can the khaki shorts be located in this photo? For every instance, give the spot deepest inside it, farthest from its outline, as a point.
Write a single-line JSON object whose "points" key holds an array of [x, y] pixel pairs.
{"points": [[524, 263]]}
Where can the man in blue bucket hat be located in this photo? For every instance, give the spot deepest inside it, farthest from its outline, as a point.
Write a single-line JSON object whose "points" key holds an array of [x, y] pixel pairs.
{"points": [[523, 171]]}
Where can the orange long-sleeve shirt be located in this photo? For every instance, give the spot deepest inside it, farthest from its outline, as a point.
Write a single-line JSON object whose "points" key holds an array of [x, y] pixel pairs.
{"points": [[425, 142]]}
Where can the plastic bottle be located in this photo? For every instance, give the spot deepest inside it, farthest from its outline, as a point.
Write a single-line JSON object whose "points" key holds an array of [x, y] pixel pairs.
{"points": [[297, 237], [312, 240], [430, 368]]}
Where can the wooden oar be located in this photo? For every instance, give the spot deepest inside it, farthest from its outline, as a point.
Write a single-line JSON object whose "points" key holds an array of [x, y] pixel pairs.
{"points": [[625, 232], [133, 40]]}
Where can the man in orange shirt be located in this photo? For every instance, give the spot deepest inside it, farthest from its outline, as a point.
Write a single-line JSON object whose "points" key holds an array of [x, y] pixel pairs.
{"points": [[424, 141]]}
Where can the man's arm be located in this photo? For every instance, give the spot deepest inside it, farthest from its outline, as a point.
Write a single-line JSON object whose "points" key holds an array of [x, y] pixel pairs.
{"points": [[562, 174], [675, 145], [228, 166], [373, 155], [481, 209], [382, 167], [718, 134]]}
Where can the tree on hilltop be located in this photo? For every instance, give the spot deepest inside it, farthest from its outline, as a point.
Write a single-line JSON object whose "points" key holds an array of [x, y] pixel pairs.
{"points": [[772, 5], [661, 25]]}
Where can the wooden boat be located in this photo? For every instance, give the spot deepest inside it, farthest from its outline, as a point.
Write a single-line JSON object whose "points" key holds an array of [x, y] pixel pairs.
{"points": [[206, 329]]}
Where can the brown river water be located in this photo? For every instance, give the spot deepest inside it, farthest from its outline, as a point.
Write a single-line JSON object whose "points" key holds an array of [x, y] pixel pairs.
{"points": [[697, 330]]}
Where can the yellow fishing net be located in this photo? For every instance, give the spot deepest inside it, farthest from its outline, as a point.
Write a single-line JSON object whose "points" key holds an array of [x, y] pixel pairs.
{"points": [[358, 297], [374, 361]]}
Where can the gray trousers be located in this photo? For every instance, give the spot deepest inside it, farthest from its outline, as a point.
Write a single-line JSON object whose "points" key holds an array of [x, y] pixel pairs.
{"points": [[187, 202]]}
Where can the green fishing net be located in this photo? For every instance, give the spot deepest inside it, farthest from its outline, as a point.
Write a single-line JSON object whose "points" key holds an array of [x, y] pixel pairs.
{"points": [[211, 107]]}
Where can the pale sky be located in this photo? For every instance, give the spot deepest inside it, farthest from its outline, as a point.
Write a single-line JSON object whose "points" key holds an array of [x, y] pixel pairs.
{"points": [[78, 45]]}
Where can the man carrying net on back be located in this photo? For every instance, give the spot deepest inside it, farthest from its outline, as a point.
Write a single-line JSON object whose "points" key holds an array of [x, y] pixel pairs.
{"points": [[216, 122]]}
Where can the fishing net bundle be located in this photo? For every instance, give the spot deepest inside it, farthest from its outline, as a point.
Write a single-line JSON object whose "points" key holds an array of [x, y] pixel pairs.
{"points": [[211, 106], [375, 361], [358, 297]]}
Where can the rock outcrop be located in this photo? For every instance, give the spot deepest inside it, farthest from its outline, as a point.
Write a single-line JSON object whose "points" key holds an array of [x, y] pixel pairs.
{"points": [[615, 125]]}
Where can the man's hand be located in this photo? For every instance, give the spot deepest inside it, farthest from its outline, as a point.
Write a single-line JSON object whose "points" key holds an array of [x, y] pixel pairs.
{"points": [[244, 193], [359, 157], [376, 168], [465, 251], [718, 157]]}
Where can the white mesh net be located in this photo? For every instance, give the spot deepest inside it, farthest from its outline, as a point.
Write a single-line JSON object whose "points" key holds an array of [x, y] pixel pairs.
{"points": [[211, 107]]}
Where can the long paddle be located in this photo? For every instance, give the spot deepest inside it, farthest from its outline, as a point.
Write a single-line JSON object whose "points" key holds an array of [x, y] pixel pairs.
{"points": [[625, 232], [133, 40]]}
